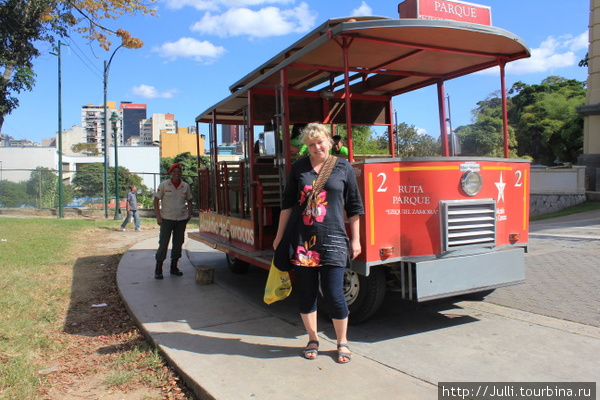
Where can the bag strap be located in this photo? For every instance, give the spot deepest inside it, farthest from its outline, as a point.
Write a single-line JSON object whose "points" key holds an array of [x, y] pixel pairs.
{"points": [[322, 178]]}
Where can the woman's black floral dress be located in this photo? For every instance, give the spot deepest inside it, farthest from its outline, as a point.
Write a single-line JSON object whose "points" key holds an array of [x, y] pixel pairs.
{"points": [[321, 238]]}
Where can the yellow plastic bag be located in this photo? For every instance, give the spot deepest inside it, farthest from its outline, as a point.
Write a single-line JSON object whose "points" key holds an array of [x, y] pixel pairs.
{"points": [[279, 285]]}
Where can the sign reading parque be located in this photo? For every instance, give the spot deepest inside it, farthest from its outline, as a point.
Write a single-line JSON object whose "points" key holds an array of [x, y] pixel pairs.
{"points": [[446, 10]]}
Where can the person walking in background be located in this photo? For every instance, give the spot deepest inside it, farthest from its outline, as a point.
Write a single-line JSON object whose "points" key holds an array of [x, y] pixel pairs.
{"points": [[323, 249], [173, 207], [132, 210]]}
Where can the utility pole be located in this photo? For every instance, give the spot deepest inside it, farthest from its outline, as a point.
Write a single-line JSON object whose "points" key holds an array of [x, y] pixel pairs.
{"points": [[61, 199], [106, 67], [114, 119]]}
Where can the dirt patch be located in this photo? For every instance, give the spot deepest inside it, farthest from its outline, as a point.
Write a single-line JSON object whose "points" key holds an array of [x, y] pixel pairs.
{"points": [[106, 356]]}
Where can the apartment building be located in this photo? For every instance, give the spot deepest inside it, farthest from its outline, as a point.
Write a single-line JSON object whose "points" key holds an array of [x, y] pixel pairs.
{"points": [[150, 129], [92, 120]]}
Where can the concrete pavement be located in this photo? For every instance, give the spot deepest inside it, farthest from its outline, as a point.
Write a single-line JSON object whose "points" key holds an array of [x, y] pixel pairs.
{"points": [[227, 344]]}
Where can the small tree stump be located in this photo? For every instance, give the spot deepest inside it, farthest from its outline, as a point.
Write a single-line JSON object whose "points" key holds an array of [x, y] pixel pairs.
{"points": [[205, 274]]}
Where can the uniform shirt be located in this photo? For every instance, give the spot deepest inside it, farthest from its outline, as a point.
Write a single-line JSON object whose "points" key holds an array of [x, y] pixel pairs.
{"points": [[173, 201], [322, 240]]}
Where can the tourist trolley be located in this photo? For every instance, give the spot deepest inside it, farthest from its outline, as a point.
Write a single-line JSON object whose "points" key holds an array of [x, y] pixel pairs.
{"points": [[433, 227]]}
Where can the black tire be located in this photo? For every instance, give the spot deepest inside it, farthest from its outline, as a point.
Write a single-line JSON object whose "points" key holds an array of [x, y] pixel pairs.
{"points": [[364, 294], [236, 265]]}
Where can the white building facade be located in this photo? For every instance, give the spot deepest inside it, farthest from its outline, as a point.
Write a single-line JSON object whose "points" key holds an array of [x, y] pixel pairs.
{"points": [[150, 129]]}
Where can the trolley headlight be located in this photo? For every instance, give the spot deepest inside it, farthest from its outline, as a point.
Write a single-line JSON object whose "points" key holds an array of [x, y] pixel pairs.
{"points": [[471, 183]]}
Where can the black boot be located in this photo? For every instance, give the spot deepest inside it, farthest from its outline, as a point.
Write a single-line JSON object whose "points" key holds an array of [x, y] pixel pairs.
{"points": [[174, 269], [158, 270]]}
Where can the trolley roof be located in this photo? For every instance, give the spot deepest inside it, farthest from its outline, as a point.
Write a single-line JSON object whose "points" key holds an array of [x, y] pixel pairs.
{"points": [[386, 57]]}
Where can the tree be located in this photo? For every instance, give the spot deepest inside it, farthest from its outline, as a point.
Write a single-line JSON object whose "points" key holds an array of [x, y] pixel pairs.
{"points": [[25, 24], [87, 149], [485, 136], [363, 141], [14, 194], [42, 188], [413, 144], [89, 180], [547, 125]]}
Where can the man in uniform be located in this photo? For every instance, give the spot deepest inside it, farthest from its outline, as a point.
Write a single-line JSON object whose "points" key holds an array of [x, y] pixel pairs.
{"points": [[173, 207]]}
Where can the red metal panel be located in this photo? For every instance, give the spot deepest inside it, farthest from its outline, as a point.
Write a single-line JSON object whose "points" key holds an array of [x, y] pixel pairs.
{"points": [[402, 202]]}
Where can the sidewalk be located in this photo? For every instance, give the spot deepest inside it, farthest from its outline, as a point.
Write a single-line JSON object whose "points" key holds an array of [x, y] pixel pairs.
{"points": [[226, 344], [226, 348]]}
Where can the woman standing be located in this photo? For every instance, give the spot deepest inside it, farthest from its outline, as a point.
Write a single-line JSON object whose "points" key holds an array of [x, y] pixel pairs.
{"points": [[322, 247]]}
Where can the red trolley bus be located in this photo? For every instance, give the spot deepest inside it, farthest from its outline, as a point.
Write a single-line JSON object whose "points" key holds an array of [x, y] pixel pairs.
{"points": [[433, 227]]}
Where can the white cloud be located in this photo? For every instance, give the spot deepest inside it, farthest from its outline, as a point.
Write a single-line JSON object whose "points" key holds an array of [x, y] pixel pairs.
{"points": [[422, 131], [553, 54], [150, 92], [364, 9], [202, 51], [547, 57], [579, 42], [216, 5], [268, 21]]}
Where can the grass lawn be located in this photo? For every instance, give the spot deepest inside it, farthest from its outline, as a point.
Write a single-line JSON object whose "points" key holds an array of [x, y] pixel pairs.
{"points": [[37, 262]]}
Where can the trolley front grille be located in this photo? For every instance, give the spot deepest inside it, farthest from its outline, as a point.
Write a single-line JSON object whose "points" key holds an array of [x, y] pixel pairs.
{"points": [[467, 223]]}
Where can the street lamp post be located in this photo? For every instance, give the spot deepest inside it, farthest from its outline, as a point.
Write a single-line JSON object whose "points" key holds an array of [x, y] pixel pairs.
{"points": [[106, 68], [114, 119]]}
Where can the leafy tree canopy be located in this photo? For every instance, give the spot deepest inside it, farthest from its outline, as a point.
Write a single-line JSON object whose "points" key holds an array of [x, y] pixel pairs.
{"points": [[543, 122], [42, 188], [13, 194], [413, 144], [363, 140], [87, 149], [547, 125], [89, 181], [27, 24], [485, 136]]}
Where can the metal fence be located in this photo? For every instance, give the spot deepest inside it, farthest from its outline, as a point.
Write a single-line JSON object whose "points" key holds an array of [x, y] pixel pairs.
{"points": [[37, 189]]}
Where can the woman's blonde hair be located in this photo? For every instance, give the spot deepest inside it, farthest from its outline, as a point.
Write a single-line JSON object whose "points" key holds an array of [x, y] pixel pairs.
{"points": [[315, 131]]}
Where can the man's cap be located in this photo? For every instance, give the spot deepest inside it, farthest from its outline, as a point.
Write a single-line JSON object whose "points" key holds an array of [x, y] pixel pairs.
{"points": [[176, 165]]}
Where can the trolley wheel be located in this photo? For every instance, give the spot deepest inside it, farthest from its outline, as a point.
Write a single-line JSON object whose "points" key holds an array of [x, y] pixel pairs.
{"points": [[364, 294], [236, 265]]}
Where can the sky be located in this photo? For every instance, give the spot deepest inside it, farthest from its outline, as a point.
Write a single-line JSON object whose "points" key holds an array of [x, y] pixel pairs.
{"points": [[195, 49]]}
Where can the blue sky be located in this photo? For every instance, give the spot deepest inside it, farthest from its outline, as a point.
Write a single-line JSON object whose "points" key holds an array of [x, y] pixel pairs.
{"points": [[195, 49]]}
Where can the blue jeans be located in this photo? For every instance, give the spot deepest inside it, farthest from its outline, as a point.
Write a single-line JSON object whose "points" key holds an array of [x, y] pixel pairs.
{"points": [[177, 228], [332, 284], [133, 214]]}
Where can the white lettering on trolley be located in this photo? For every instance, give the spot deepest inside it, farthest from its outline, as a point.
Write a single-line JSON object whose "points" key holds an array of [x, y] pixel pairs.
{"points": [[459, 10], [412, 200], [227, 230], [407, 211]]}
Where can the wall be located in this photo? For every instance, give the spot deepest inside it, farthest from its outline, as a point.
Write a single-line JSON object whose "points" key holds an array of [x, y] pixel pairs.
{"points": [[181, 142], [554, 189], [25, 159]]}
